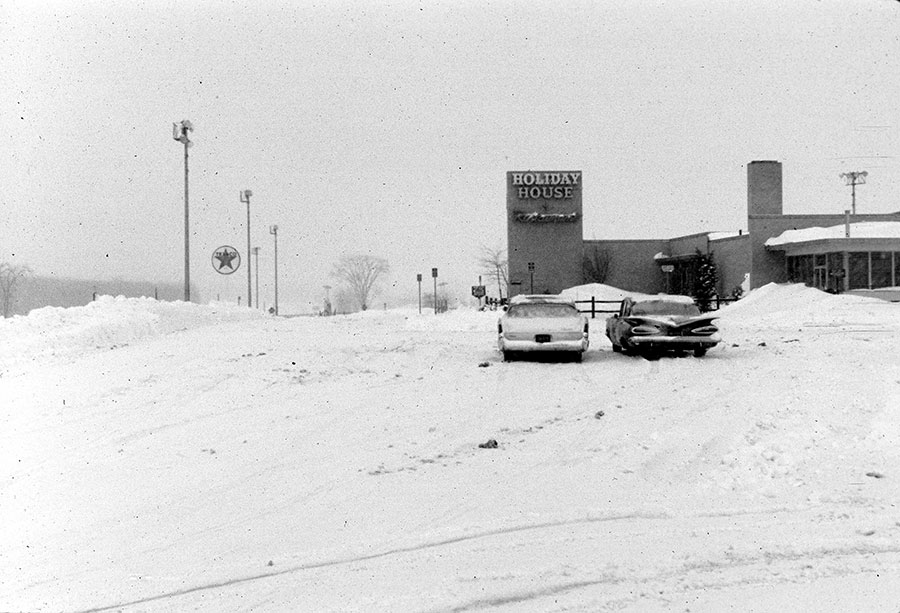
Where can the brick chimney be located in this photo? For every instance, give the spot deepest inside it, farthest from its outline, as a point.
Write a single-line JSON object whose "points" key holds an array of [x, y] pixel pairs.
{"points": [[764, 188]]}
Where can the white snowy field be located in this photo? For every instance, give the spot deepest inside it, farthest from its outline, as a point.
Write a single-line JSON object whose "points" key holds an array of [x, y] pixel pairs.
{"points": [[173, 457]]}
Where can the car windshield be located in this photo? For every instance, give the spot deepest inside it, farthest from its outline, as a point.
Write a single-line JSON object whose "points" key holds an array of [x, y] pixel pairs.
{"points": [[665, 307], [542, 310]]}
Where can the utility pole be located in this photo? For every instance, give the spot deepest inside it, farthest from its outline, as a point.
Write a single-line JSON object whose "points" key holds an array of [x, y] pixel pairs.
{"points": [[853, 179], [273, 230], [256, 253], [419, 279], [245, 197], [180, 133]]}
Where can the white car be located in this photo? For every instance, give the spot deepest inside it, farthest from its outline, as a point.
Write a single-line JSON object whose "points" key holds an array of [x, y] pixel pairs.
{"points": [[542, 323]]}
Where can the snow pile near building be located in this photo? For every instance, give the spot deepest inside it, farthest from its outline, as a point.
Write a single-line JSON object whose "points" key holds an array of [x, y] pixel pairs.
{"points": [[797, 306], [108, 322], [603, 292]]}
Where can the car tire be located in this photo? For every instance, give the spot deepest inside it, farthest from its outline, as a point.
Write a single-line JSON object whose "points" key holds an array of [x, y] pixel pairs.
{"points": [[617, 348], [508, 356], [699, 353], [578, 357]]}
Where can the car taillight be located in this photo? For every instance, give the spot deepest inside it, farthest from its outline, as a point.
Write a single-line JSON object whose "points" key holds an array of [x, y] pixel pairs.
{"points": [[645, 330], [705, 330]]}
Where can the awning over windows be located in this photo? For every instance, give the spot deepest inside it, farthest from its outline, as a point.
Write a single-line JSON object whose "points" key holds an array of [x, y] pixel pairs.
{"points": [[864, 236]]}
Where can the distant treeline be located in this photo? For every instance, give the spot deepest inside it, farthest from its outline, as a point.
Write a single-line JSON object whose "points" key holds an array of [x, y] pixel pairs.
{"points": [[35, 292]]}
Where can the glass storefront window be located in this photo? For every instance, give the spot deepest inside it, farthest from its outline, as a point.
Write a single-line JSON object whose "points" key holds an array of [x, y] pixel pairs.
{"points": [[881, 269], [836, 272], [896, 280], [859, 270]]}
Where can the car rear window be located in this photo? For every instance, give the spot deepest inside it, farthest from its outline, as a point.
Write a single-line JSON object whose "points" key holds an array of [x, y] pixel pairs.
{"points": [[542, 310], [662, 307]]}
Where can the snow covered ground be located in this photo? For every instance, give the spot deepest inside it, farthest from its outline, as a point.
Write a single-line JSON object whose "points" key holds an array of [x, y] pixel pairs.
{"points": [[174, 457]]}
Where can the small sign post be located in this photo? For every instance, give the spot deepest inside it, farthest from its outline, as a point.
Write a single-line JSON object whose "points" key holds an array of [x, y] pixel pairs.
{"points": [[434, 276]]}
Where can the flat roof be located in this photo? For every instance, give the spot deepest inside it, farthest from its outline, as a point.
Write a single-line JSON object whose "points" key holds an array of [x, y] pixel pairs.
{"points": [[863, 230]]}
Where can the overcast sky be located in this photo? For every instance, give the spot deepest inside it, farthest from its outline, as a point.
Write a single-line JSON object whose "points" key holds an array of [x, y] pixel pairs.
{"points": [[387, 127]]}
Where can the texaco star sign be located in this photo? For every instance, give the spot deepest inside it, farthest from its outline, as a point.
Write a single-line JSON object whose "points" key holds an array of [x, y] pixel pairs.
{"points": [[226, 260]]}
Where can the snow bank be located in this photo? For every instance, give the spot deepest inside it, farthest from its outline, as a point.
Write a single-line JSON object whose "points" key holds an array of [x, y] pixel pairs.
{"points": [[795, 305], [107, 322], [608, 292]]}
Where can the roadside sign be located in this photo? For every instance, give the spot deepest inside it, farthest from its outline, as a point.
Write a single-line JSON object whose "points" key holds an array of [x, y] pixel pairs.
{"points": [[478, 291], [434, 272], [667, 268], [226, 260]]}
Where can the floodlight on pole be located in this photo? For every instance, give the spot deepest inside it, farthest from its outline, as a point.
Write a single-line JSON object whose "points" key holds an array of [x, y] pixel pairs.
{"points": [[273, 230], [853, 179], [245, 197], [180, 133]]}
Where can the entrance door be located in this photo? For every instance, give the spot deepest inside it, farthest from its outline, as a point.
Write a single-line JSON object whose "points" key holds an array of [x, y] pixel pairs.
{"points": [[820, 272]]}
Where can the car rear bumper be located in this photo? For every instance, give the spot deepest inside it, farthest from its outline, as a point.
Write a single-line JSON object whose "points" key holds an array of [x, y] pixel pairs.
{"points": [[576, 345], [675, 342]]}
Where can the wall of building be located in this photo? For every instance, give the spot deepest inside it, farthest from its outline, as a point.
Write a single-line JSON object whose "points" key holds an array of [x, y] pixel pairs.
{"points": [[555, 247], [770, 266], [732, 258], [687, 245], [631, 263]]}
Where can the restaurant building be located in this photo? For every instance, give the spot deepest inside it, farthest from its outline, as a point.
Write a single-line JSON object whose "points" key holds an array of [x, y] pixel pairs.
{"points": [[833, 252]]}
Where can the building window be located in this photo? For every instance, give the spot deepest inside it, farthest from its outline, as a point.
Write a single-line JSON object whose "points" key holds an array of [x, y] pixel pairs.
{"points": [[881, 269], [800, 269], [896, 281], [859, 270], [836, 272]]}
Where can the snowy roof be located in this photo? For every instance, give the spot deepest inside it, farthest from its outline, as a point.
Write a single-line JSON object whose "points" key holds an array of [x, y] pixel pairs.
{"points": [[868, 229], [715, 236]]}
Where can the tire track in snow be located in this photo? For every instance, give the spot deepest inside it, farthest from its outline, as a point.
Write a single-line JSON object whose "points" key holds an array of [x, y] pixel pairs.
{"points": [[709, 567], [375, 556]]}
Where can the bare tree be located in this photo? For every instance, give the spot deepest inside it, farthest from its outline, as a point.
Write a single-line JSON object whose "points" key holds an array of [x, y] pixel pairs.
{"points": [[9, 278], [361, 274], [596, 264], [493, 262]]}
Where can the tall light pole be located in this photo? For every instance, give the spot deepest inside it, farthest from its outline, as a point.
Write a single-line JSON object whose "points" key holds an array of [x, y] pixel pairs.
{"points": [[256, 253], [180, 133], [853, 179], [245, 197], [273, 230], [531, 271]]}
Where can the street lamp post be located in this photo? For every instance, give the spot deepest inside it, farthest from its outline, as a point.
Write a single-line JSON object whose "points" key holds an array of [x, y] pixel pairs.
{"points": [[256, 253], [245, 197], [531, 270], [180, 133], [273, 230]]}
